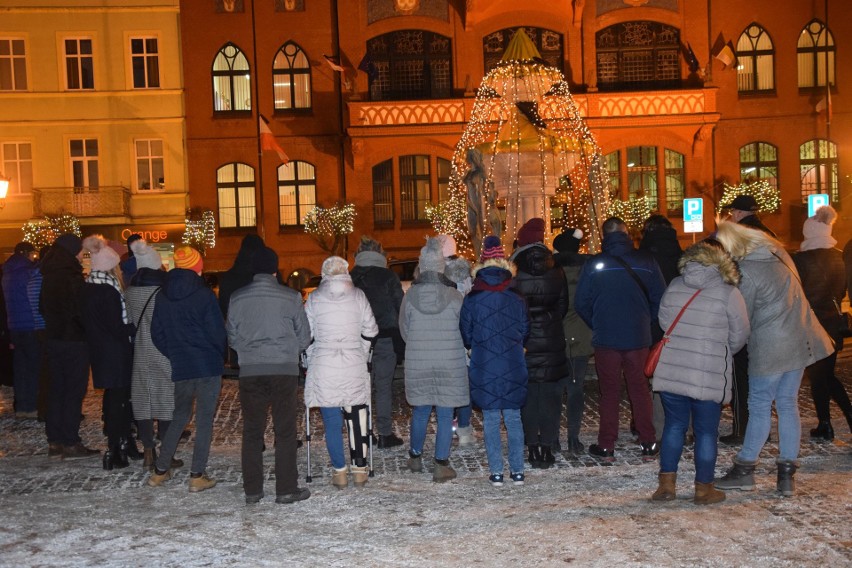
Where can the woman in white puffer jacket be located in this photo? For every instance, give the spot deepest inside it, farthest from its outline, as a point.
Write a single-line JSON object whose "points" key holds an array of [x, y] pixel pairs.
{"points": [[342, 327]]}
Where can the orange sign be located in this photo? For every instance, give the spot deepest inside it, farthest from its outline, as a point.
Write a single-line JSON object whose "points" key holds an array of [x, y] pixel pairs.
{"points": [[150, 236]]}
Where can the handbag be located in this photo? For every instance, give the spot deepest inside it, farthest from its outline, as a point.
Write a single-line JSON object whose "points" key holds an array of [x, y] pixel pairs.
{"points": [[657, 348], [843, 324]]}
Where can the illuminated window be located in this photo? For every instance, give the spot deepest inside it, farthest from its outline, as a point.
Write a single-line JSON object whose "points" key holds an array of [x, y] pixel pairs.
{"points": [[642, 172], [612, 164], [235, 187], [816, 53], [444, 170], [410, 64], [759, 161], [291, 78], [231, 80], [297, 192], [84, 163], [149, 165], [17, 164], [818, 165], [675, 181], [755, 61]]}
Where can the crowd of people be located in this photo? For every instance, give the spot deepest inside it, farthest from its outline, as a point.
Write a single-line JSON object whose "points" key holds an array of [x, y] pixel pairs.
{"points": [[740, 319]]}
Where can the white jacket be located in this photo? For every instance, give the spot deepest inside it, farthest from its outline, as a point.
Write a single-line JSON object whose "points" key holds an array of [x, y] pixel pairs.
{"points": [[342, 324]]}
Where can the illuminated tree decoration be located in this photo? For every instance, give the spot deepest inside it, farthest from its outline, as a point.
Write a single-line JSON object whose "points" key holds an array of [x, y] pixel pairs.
{"points": [[768, 198], [200, 230], [329, 226], [525, 137], [43, 232], [633, 212]]}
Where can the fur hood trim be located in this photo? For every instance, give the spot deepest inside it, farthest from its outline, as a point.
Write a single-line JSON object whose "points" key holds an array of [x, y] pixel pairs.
{"points": [[499, 263], [709, 255]]}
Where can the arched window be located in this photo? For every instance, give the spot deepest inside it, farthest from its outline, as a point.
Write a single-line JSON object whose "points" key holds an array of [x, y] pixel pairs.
{"points": [[638, 55], [410, 64], [297, 192], [756, 61], [818, 165], [291, 78], [235, 187], [231, 80], [759, 161], [548, 42], [642, 172], [645, 172], [816, 55]]}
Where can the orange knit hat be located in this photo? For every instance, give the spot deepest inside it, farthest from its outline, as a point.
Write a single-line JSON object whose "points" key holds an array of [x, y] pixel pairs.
{"points": [[188, 258]]}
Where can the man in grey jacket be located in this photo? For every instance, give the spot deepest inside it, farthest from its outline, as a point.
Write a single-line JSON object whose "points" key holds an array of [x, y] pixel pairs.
{"points": [[268, 328]]}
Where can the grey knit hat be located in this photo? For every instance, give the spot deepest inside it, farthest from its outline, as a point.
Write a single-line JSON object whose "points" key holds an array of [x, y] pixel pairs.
{"points": [[432, 256]]}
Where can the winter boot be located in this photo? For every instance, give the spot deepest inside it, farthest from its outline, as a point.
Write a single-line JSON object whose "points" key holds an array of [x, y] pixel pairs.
{"points": [[786, 484], [415, 462], [547, 457], [443, 471], [466, 438], [199, 482], [575, 446], [149, 457], [340, 478], [360, 475], [666, 489], [119, 454], [740, 476], [130, 448], [823, 431], [108, 459], [535, 456], [706, 494]]}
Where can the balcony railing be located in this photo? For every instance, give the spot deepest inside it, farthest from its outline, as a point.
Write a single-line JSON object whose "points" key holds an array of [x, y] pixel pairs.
{"points": [[103, 201]]}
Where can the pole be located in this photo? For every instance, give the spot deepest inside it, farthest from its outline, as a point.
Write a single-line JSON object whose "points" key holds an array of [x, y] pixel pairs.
{"points": [[341, 124], [261, 225]]}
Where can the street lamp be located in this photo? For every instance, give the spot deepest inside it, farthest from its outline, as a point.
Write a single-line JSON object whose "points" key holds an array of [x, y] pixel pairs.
{"points": [[4, 189]]}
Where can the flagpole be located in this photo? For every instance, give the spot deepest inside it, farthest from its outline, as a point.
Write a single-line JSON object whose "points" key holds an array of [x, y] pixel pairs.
{"points": [[261, 226], [827, 81]]}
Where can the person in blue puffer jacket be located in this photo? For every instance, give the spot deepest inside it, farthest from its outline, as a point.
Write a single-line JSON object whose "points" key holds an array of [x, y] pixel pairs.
{"points": [[495, 325], [22, 329]]}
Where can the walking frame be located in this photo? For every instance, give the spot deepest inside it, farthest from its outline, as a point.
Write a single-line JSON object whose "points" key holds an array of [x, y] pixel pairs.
{"points": [[308, 476]]}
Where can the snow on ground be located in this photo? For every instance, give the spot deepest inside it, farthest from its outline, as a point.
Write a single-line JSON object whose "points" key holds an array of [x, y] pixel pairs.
{"points": [[581, 512]]}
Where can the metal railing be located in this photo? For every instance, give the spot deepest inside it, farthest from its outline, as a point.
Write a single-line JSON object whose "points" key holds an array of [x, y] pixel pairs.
{"points": [[103, 201]]}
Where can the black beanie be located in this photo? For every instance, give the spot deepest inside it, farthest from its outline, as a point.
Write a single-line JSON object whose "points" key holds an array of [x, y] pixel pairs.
{"points": [[265, 261], [70, 242]]}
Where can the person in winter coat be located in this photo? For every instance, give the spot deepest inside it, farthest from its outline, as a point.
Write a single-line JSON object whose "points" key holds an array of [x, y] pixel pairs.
{"points": [[383, 289], [659, 238], [618, 295], [435, 369], [694, 375], [152, 392], [338, 378], [268, 328], [241, 273], [68, 354], [457, 270], [22, 329], [543, 286], [494, 325], [821, 269], [578, 336], [33, 295], [109, 336], [128, 265], [188, 329], [785, 338]]}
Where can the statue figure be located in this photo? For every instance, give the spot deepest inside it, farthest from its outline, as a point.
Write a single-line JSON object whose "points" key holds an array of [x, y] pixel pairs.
{"points": [[494, 220], [475, 180]]}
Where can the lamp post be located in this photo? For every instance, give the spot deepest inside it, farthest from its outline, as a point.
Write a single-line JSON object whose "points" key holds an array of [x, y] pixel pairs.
{"points": [[4, 189]]}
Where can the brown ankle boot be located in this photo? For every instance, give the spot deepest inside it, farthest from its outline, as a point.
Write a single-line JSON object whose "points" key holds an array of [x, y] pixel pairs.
{"points": [[340, 478], [666, 489], [707, 494], [360, 475], [149, 456]]}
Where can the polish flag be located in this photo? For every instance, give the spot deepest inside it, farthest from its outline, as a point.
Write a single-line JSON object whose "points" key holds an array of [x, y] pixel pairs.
{"points": [[268, 142]]}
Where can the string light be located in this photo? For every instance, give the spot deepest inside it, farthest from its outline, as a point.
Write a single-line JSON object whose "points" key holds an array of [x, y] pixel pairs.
{"points": [[768, 197], [328, 226], [633, 212], [200, 231], [43, 232], [523, 118]]}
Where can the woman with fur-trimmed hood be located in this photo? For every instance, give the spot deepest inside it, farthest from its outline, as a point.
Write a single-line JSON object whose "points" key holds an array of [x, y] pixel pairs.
{"points": [[694, 373], [495, 325]]}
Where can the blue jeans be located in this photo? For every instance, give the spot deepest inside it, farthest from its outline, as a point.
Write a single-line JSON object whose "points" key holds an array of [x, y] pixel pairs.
{"points": [[444, 435], [705, 423], [783, 389], [463, 414], [26, 358], [332, 420], [514, 437], [205, 392]]}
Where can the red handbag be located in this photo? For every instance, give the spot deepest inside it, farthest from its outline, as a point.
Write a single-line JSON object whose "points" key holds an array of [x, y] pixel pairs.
{"points": [[657, 348]]}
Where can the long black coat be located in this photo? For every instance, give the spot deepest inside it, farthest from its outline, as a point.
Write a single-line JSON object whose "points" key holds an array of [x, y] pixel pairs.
{"points": [[823, 278], [543, 286], [108, 337]]}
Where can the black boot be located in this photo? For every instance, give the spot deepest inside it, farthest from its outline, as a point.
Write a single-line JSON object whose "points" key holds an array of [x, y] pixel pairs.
{"points": [[108, 460], [547, 458], [133, 452], [119, 454], [823, 431], [535, 457], [786, 484]]}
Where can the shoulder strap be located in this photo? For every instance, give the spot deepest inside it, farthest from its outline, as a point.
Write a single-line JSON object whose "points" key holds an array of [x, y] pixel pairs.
{"points": [[632, 273], [680, 313], [151, 297]]}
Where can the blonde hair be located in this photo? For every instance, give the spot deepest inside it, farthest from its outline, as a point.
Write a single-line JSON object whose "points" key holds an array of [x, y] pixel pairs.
{"points": [[740, 240]]}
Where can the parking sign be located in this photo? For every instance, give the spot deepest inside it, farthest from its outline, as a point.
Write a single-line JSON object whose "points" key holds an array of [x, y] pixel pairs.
{"points": [[816, 201], [693, 215]]}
